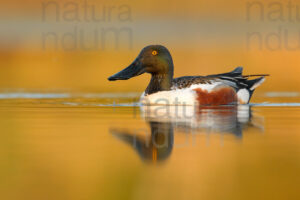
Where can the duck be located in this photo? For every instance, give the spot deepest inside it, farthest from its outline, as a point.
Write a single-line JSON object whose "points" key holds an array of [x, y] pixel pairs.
{"points": [[231, 88]]}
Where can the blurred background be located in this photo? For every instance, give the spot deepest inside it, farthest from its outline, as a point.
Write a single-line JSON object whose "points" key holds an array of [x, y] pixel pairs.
{"points": [[75, 45]]}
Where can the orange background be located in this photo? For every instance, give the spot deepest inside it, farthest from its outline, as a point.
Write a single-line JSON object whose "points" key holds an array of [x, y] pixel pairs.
{"points": [[204, 37]]}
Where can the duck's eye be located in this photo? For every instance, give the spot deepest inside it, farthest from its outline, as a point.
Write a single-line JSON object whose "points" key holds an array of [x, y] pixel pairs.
{"points": [[154, 53]]}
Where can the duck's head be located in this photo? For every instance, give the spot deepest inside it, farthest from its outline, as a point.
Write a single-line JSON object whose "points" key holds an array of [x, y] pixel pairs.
{"points": [[153, 59]]}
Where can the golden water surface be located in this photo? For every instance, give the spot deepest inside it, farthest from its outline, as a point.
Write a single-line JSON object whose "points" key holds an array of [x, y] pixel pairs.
{"points": [[107, 147]]}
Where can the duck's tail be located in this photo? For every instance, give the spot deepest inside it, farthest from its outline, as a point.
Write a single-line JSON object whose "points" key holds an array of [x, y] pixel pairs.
{"points": [[245, 93]]}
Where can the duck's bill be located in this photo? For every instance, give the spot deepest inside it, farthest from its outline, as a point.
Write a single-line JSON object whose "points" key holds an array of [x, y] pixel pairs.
{"points": [[132, 70]]}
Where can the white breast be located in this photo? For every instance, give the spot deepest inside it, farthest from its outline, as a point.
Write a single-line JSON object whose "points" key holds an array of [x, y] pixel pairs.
{"points": [[173, 97], [185, 96]]}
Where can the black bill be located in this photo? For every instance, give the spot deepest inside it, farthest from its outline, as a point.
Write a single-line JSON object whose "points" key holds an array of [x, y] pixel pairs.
{"points": [[132, 70]]}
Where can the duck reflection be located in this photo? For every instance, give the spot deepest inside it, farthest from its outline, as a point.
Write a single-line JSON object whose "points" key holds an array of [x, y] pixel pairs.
{"points": [[163, 120], [157, 146]]}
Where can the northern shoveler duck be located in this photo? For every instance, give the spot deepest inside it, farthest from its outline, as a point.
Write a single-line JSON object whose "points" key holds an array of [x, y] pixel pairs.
{"points": [[217, 89]]}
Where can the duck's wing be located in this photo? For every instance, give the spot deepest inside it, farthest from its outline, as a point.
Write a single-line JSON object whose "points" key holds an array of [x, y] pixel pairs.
{"points": [[234, 79], [241, 83]]}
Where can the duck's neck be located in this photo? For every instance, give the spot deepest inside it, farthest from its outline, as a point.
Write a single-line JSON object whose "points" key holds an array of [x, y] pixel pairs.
{"points": [[159, 82]]}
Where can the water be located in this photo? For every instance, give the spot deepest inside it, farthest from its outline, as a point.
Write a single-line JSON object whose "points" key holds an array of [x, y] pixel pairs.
{"points": [[105, 146]]}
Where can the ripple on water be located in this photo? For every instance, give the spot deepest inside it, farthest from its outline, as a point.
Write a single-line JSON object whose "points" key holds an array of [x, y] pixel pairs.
{"points": [[125, 99]]}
